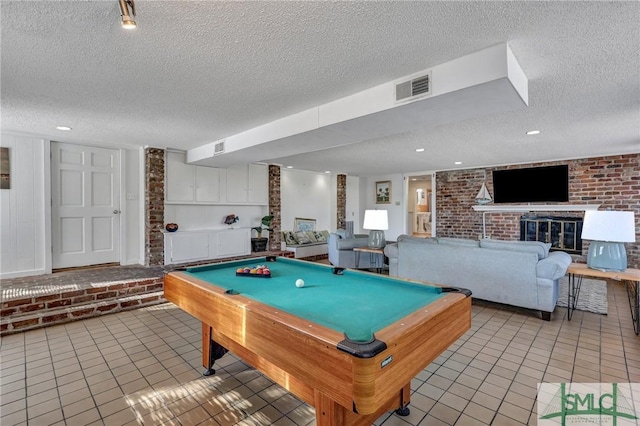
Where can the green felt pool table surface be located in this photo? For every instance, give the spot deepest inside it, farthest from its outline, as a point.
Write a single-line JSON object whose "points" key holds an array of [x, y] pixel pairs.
{"points": [[353, 302]]}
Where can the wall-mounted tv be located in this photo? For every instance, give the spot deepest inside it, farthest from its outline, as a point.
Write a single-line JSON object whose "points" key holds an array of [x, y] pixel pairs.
{"points": [[531, 185]]}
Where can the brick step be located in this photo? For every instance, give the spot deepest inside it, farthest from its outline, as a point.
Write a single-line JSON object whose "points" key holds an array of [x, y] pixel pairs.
{"points": [[58, 315], [49, 305]]}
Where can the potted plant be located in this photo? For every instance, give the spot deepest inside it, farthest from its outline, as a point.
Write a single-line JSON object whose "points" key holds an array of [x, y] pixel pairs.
{"points": [[260, 243]]}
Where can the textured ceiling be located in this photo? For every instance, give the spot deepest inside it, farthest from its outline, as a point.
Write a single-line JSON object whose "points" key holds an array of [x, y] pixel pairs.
{"points": [[196, 72]]}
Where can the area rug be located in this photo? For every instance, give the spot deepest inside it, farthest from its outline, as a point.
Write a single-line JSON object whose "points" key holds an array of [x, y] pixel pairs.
{"points": [[593, 295]]}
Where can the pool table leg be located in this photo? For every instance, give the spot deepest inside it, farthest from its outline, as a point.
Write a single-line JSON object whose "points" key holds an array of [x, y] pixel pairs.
{"points": [[211, 350], [405, 393]]}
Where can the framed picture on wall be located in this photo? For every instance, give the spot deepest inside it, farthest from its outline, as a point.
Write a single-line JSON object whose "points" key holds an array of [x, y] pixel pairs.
{"points": [[383, 192], [5, 172], [301, 224]]}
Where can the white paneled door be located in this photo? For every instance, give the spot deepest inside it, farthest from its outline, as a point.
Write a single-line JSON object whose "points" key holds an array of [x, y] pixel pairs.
{"points": [[85, 211]]}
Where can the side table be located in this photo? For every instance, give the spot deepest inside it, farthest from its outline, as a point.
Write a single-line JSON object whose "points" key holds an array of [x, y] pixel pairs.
{"points": [[376, 257], [630, 278]]}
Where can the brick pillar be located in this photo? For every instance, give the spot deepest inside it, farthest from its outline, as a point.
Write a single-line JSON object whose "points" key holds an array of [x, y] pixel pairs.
{"points": [[341, 202], [275, 207], [154, 207]]}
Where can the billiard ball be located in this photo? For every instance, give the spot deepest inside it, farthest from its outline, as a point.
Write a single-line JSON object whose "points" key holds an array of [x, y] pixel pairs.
{"points": [[299, 283]]}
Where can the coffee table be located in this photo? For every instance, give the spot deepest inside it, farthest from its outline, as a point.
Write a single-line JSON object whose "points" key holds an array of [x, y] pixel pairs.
{"points": [[630, 278]]}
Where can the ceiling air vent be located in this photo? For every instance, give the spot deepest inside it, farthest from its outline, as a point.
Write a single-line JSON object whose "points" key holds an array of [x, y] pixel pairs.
{"points": [[218, 148], [413, 88]]}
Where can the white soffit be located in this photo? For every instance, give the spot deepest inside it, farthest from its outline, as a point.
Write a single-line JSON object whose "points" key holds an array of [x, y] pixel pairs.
{"points": [[482, 83]]}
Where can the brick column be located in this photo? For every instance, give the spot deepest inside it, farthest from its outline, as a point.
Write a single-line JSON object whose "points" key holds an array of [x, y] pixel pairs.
{"points": [[275, 207], [154, 207], [341, 202]]}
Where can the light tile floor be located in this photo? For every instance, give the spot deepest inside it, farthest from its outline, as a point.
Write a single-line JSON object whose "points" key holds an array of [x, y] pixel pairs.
{"points": [[143, 367]]}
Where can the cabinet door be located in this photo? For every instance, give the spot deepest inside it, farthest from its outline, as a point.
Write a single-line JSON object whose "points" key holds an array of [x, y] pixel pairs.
{"points": [[180, 179], [237, 183], [233, 242], [258, 184], [185, 247], [207, 184]]}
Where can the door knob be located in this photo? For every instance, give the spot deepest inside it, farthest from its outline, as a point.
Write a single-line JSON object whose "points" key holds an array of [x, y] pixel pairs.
{"points": [[116, 211]]}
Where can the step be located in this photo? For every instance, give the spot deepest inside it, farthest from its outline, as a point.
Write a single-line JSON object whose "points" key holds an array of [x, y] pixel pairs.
{"points": [[52, 316], [26, 309]]}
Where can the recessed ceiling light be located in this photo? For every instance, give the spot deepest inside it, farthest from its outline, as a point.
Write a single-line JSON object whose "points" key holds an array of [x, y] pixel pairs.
{"points": [[457, 163], [289, 167], [419, 149], [533, 132], [63, 127], [327, 171]]}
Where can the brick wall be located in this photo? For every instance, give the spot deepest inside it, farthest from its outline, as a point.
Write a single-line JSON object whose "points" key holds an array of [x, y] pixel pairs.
{"points": [[341, 202], [154, 206], [275, 207], [613, 182]]}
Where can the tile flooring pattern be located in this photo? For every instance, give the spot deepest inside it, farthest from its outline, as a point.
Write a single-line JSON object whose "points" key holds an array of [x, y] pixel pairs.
{"points": [[143, 367]]}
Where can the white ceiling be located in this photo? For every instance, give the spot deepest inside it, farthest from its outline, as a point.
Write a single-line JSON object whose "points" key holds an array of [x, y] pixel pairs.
{"points": [[197, 72]]}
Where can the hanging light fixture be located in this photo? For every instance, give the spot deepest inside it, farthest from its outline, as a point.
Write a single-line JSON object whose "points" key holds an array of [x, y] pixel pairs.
{"points": [[127, 22]]}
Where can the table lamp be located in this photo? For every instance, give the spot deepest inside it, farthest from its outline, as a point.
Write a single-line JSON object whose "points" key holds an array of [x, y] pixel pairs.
{"points": [[376, 221], [608, 230]]}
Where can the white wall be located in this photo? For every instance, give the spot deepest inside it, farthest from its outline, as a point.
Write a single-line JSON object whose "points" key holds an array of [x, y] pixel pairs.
{"points": [[25, 242], [396, 209], [133, 203], [308, 195]]}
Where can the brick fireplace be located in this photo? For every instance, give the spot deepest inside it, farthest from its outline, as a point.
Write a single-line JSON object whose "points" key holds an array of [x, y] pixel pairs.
{"points": [[563, 233]]}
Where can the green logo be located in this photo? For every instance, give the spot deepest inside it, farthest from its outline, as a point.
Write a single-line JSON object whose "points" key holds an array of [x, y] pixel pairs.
{"points": [[581, 402]]}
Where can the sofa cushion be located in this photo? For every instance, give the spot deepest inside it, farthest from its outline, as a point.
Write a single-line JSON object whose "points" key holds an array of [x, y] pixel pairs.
{"points": [[537, 247], [466, 242], [320, 236], [302, 237], [289, 238], [409, 238]]}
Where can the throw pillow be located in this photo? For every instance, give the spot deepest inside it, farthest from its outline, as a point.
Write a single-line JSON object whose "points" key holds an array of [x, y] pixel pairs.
{"points": [[342, 233], [320, 237], [312, 236], [289, 238], [302, 237]]}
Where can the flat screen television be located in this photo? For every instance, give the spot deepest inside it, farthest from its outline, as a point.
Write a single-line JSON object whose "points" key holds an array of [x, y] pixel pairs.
{"points": [[531, 185]]}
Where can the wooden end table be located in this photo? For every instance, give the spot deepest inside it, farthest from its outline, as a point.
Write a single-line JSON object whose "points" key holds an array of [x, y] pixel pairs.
{"points": [[630, 277], [376, 257]]}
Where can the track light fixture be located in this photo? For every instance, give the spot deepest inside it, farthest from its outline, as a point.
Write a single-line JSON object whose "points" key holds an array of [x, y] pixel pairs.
{"points": [[127, 22]]}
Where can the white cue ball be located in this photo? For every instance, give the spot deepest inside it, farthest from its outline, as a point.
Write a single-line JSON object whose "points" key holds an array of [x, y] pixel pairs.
{"points": [[299, 282]]}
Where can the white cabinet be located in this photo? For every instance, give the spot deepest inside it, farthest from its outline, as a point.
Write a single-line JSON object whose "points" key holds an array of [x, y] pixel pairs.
{"points": [[188, 184], [191, 246], [248, 184], [231, 242], [186, 246]]}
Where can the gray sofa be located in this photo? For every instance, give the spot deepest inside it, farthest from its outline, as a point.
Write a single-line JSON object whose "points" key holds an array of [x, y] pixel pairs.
{"points": [[517, 273], [341, 248]]}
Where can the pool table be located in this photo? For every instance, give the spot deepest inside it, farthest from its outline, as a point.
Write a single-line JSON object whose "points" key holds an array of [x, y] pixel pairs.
{"points": [[348, 342]]}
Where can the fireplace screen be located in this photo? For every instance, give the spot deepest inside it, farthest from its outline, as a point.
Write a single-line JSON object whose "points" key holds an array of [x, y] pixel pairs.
{"points": [[562, 232]]}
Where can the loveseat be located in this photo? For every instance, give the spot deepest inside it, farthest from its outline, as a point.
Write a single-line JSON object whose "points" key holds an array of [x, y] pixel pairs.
{"points": [[306, 243], [341, 246], [518, 273]]}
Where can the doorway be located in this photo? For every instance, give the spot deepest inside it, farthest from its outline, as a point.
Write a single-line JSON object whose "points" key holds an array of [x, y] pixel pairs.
{"points": [[85, 205], [420, 206]]}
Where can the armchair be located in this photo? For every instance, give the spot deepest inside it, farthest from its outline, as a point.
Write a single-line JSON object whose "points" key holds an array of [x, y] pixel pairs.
{"points": [[341, 249]]}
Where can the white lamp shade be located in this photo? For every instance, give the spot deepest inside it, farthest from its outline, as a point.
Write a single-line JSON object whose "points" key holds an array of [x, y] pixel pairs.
{"points": [[376, 220], [608, 225]]}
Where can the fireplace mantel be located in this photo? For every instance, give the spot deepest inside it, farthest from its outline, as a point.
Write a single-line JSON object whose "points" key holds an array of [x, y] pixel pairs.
{"points": [[536, 208], [529, 208]]}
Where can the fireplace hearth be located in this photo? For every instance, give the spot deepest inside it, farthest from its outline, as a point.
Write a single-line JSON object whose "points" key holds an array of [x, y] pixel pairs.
{"points": [[562, 232]]}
